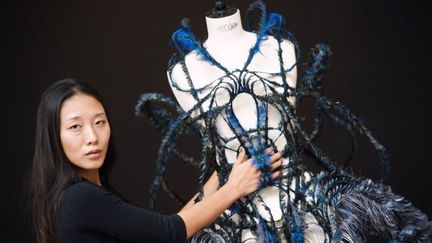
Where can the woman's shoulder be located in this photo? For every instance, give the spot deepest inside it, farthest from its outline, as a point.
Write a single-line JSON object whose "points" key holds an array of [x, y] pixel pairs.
{"points": [[83, 192], [82, 186]]}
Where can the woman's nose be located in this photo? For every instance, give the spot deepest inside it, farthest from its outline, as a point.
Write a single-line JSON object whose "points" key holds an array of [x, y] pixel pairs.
{"points": [[91, 136]]}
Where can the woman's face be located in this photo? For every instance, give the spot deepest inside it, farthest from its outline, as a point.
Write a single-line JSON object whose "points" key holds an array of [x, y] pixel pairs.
{"points": [[84, 132]]}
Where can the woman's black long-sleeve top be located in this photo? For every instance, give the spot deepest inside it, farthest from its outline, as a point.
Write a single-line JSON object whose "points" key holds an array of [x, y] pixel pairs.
{"points": [[89, 213]]}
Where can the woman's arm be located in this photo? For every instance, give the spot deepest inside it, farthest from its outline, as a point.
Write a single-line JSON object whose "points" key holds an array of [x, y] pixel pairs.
{"points": [[212, 184], [209, 188], [87, 207], [243, 179]]}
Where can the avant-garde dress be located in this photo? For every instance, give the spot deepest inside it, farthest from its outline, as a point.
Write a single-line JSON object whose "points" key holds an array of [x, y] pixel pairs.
{"points": [[346, 207]]}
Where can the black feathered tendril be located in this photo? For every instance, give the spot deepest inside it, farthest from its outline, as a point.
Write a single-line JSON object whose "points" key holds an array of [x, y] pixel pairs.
{"points": [[347, 208]]}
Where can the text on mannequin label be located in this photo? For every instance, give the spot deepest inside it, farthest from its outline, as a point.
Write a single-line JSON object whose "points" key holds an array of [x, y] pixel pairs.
{"points": [[227, 27]]}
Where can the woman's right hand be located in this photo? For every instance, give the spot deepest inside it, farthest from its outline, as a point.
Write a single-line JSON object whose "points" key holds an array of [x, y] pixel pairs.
{"points": [[245, 177]]}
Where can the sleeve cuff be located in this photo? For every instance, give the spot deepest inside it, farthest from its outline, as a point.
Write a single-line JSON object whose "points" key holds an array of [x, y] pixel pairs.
{"points": [[181, 228]]}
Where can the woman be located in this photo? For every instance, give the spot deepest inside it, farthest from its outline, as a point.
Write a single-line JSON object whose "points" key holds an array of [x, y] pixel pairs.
{"points": [[72, 198]]}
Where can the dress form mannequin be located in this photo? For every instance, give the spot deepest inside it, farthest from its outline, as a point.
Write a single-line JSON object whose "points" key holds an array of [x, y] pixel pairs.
{"points": [[229, 44]]}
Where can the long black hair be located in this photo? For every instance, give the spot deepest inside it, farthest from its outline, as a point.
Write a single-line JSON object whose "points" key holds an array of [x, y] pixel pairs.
{"points": [[52, 173]]}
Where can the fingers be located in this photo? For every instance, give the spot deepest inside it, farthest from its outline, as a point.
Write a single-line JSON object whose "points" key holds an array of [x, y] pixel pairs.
{"points": [[275, 157], [251, 168], [276, 164], [249, 162], [241, 157], [269, 150], [276, 175]]}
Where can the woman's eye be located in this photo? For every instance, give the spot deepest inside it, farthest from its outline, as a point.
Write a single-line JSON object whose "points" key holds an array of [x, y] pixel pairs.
{"points": [[74, 127], [100, 122]]}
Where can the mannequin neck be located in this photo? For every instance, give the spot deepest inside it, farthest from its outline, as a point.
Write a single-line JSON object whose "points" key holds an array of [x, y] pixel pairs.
{"points": [[224, 29]]}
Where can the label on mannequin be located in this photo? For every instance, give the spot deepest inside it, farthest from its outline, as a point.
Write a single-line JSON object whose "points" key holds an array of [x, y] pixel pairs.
{"points": [[227, 27]]}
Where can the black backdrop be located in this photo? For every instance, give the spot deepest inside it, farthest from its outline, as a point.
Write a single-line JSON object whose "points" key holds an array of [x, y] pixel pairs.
{"points": [[380, 69]]}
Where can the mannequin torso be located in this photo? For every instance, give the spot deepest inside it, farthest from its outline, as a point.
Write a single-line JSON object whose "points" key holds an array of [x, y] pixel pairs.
{"points": [[229, 44]]}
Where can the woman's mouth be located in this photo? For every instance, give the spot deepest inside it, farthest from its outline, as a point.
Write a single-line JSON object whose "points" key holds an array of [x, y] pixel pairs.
{"points": [[93, 153]]}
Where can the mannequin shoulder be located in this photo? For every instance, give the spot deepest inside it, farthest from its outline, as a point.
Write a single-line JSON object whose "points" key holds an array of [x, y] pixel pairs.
{"points": [[270, 44], [201, 72], [268, 59]]}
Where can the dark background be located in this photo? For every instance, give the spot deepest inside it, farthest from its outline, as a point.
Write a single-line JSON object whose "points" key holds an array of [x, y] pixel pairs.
{"points": [[380, 69]]}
